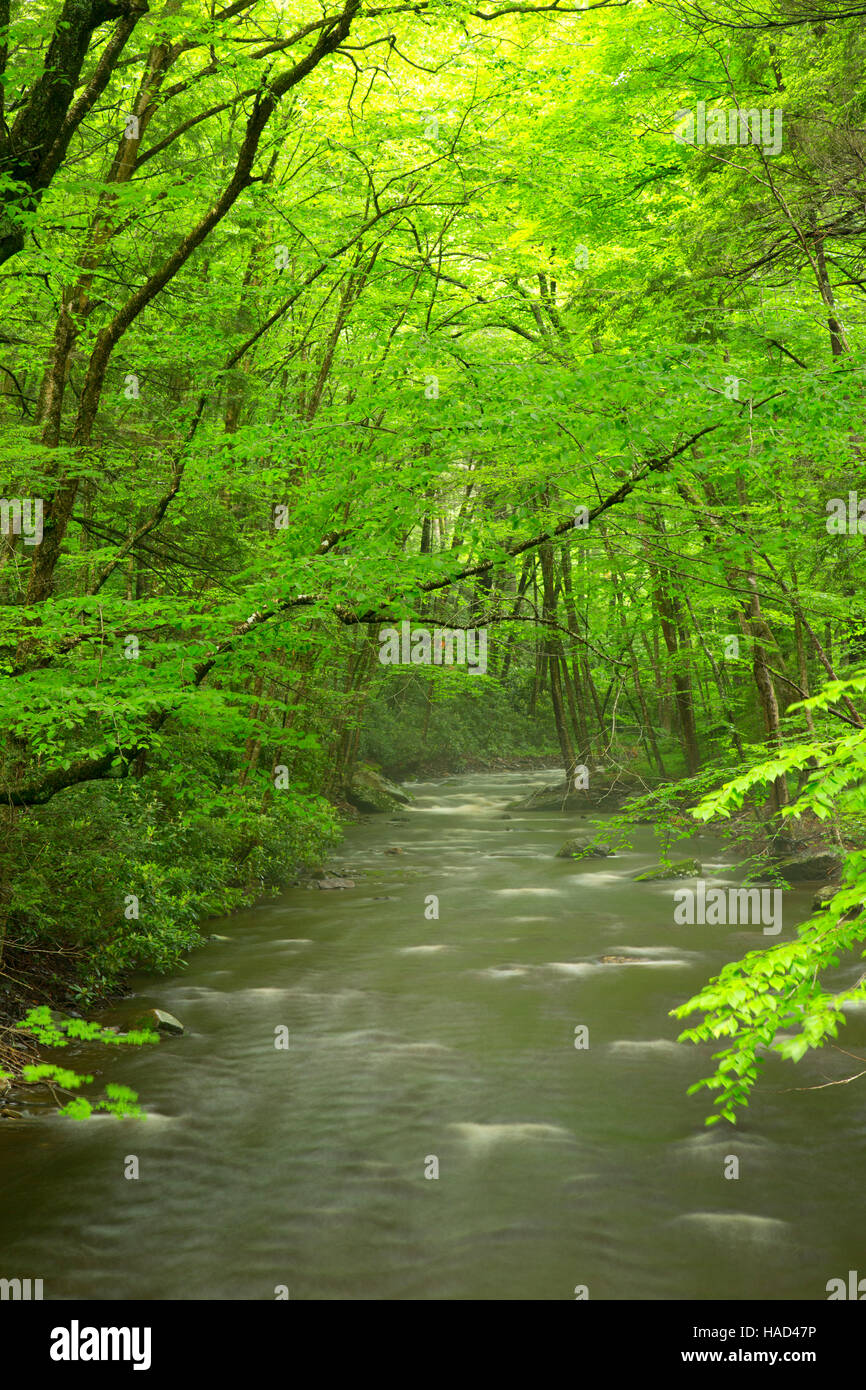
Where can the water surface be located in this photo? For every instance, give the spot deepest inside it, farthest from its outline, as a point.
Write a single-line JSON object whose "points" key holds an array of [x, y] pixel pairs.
{"points": [[412, 1039]]}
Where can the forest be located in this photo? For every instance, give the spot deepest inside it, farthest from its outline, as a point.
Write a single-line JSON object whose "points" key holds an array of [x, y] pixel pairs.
{"points": [[396, 393]]}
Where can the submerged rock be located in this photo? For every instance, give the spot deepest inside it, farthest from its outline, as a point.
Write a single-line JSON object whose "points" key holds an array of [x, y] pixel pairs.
{"points": [[327, 883], [581, 848], [682, 868]]}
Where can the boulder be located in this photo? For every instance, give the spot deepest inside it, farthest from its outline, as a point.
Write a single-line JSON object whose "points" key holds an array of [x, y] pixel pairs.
{"points": [[558, 798], [601, 794], [682, 868], [815, 867], [370, 791], [159, 1021], [823, 896], [580, 848], [58, 1018]]}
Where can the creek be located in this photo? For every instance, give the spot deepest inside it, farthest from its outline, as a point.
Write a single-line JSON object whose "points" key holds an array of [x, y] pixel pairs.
{"points": [[410, 1038]]}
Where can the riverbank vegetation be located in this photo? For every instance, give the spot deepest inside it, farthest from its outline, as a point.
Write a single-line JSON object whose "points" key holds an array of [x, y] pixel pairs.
{"points": [[318, 321]]}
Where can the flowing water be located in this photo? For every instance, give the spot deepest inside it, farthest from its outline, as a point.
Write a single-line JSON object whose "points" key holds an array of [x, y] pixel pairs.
{"points": [[411, 1039]]}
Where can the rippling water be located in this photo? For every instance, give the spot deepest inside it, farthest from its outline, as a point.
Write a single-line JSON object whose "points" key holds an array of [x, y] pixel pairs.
{"points": [[454, 1038]]}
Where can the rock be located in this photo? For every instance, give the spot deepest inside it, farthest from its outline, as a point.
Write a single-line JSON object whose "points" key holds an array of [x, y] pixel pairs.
{"points": [[601, 793], [335, 883], [811, 867], [159, 1020], [58, 1019], [370, 791], [581, 848], [392, 851], [823, 896], [215, 937], [683, 868], [559, 798]]}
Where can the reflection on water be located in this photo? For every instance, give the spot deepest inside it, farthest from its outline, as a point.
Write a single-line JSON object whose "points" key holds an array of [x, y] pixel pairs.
{"points": [[451, 1037]]}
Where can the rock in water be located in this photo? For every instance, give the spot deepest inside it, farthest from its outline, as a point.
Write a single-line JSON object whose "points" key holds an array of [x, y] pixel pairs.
{"points": [[811, 868], [824, 895], [58, 1018], [370, 791], [560, 798], [159, 1020], [335, 882], [580, 848], [602, 794], [683, 868]]}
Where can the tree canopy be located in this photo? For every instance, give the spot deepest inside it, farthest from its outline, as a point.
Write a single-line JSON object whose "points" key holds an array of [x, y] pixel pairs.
{"points": [[320, 318]]}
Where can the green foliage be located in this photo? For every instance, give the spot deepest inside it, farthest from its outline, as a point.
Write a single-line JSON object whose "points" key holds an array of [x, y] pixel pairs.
{"points": [[118, 1100], [452, 720], [779, 1000], [367, 367]]}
